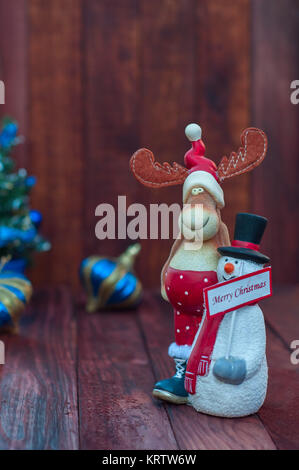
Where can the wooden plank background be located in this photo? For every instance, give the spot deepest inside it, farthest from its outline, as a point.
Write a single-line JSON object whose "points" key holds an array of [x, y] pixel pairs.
{"points": [[90, 81], [74, 380], [275, 189]]}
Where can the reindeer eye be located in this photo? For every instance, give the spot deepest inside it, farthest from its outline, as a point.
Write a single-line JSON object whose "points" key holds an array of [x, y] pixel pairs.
{"points": [[196, 191]]}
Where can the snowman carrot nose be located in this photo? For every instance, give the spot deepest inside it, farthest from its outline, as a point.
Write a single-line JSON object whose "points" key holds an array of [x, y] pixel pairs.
{"points": [[229, 268]]}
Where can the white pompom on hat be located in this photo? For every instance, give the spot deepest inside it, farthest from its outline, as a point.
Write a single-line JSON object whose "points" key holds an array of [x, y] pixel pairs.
{"points": [[193, 132], [202, 171]]}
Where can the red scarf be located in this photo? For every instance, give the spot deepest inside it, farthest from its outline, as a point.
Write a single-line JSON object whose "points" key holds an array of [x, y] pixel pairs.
{"points": [[200, 358]]}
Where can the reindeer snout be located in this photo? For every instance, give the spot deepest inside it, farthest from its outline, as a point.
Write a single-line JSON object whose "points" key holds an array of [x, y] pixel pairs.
{"points": [[193, 218], [229, 268]]}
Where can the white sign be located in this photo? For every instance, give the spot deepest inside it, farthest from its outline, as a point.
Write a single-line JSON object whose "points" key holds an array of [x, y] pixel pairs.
{"points": [[231, 295]]}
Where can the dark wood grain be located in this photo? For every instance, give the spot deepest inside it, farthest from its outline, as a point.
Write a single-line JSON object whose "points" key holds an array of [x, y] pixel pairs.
{"points": [[222, 84], [195, 67], [280, 410], [111, 75], [92, 81], [275, 189], [280, 413], [73, 378], [281, 312], [166, 106], [38, 384], [14, 66], [195, 430], [56, 152], [115, 378]]}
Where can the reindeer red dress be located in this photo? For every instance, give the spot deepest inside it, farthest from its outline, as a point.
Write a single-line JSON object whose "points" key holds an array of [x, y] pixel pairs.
{"points": [[193, 259]]}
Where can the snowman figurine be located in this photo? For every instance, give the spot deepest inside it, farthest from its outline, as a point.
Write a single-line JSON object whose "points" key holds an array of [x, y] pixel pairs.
{"points": [[228, 354]]}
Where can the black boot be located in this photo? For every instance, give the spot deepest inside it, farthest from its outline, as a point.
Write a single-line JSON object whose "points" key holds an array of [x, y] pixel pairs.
{"points": [[173, 389]]}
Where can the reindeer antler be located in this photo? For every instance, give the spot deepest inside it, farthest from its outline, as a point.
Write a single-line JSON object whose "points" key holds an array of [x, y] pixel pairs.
{"points": [[153, 174], [250, 154]]}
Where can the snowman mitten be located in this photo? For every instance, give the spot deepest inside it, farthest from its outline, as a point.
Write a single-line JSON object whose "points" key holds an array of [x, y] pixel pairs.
{"points": [[230, 370]]}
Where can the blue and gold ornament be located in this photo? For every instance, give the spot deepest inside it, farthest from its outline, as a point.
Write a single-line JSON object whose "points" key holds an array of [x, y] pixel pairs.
{"points": [[110, 283], [15, 293]]}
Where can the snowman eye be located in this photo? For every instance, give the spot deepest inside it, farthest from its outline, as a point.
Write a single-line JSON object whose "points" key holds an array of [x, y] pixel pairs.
{"points": [[226, 260], [237, 262]]}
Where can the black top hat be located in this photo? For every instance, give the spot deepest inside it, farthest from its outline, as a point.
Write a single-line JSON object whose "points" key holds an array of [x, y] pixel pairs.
{"points": [[249, 230]]}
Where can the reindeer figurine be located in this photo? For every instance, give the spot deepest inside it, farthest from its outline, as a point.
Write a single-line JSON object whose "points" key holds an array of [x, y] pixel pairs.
{"points": [[192, 263]]}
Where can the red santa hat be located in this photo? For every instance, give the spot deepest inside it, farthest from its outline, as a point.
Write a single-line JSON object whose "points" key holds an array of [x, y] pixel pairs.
{"points": [[202, 171]]}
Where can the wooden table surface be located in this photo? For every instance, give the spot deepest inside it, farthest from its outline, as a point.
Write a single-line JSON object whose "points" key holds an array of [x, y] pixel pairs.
{"points": [[73, 380]]}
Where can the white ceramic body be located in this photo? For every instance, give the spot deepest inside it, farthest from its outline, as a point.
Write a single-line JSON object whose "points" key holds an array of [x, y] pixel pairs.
{"points": [[249, 343]]}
